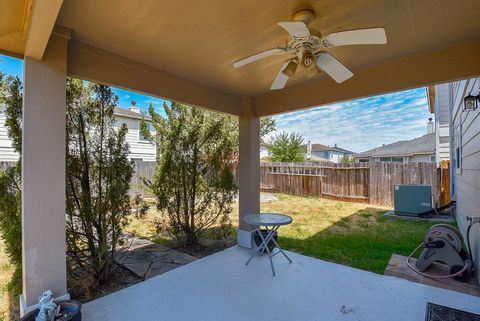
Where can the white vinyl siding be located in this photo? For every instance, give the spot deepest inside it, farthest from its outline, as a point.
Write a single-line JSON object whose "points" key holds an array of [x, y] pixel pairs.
{"points": [[142, 138], [139, 149], [442, 103], [466, 141], [7, 153]]}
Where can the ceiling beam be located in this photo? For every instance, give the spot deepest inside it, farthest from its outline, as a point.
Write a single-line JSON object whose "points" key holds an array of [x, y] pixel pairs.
{"points": [[42, 20], [444, 65], [97, 65]]}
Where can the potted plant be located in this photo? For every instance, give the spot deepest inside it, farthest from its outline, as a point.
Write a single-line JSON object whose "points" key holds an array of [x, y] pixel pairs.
{"points": [[70, 310]]}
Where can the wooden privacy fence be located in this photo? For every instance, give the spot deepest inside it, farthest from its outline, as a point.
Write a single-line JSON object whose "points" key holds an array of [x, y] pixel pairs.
{"points": [[362, 182], [142, 170], [371, 183]]}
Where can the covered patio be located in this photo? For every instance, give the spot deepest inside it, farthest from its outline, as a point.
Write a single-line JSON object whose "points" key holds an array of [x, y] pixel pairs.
{"points": [[221, 287], [184, 51]]}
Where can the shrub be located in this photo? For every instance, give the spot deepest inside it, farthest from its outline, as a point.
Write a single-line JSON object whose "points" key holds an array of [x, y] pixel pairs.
{"points": [[193, 182]]}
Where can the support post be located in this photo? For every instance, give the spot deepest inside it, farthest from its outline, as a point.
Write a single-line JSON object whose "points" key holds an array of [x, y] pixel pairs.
{"points": [[43, 174], [249, 174]]}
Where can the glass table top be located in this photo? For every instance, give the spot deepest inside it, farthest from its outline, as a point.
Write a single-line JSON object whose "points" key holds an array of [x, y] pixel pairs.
{"points": [[267, 219]]}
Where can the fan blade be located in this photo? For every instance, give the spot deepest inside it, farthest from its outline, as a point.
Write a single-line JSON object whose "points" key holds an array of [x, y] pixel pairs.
{"points": [[295, 28], [373, 36], [281, 79], [258, 56], [333, 67]]}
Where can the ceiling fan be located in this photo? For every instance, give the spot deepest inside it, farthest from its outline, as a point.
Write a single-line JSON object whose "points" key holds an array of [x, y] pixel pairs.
{"points": [[308, 49]]}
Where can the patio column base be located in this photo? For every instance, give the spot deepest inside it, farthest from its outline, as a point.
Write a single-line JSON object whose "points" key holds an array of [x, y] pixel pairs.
{"points": [[245, 238], [25, 309]]}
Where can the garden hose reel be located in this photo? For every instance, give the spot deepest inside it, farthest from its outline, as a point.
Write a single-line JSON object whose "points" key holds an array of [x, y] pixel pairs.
{"points": [[444, 244]]}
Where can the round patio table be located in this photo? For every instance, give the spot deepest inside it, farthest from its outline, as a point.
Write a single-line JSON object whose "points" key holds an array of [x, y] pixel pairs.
{"points": [[270, 222]]}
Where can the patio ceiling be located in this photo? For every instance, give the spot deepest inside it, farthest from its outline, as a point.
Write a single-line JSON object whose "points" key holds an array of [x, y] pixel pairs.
{"points": [[184, 50]]}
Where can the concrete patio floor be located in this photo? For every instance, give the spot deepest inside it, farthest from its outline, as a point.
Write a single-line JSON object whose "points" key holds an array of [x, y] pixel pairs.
{"points": [[220, 287]]}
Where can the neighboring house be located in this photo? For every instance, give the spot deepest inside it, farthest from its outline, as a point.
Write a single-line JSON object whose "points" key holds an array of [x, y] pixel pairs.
{"points": [[264, 152], [439, 104], [319, 152], [7, 153], [420, 149], [140, 148], [465, 155]]}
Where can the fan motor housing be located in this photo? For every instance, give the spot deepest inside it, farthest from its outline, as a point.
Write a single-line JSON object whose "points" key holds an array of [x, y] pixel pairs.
{"points": [[305, 15]]}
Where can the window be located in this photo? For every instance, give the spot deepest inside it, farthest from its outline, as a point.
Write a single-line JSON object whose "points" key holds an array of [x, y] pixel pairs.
{"points": [[392, 159], [140, 135]]}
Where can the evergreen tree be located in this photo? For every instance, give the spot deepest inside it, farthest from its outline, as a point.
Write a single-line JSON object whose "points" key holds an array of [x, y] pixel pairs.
{"points": [[193, 182], [10, 180], [98, 177]]}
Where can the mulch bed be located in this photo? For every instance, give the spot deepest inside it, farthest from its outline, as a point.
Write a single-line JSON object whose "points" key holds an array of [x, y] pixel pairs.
{"points": [[84, 291]]}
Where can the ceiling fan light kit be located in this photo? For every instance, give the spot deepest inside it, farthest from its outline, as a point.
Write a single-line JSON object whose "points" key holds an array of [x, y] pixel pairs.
{"points": [[307, 49], [289, 71]]}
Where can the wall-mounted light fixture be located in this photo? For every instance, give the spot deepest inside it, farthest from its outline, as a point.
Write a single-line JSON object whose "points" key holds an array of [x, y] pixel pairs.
{"points": [[471, 102]]}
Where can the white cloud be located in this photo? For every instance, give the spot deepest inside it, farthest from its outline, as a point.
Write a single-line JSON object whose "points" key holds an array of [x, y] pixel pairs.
{"points": [[364, 123]]}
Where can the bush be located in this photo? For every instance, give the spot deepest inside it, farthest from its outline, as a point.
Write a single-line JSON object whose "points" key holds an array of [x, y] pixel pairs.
{"points": [[140, 206], [193, 182]]}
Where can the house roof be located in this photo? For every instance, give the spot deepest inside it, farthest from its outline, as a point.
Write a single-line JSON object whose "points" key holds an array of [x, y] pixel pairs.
{"points": [[321, 148], [130, 114], [424, 145]]}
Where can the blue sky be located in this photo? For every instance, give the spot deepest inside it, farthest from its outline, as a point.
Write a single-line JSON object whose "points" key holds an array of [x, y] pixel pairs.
{"points": [[13, 66], [362, 124], [357, 125]]}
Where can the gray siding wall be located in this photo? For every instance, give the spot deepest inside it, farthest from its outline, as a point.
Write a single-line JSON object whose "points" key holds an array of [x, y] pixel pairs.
{"points": [[420, 159], [442, 106], [466, 132]]}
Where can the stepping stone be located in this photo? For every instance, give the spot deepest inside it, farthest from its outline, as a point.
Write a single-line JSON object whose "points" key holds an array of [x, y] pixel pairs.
{"points": [[120, 256], [159, 268], [139, 256], [138, 268], [156, 248], [180, 257], [147, 259], [160, 257]]}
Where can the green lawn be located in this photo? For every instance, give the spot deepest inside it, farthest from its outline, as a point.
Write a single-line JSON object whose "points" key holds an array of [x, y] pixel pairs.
{"points": [[348, 233]]}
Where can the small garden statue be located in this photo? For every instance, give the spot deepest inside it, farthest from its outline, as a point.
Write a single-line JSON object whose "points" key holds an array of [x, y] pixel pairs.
{"points": [[48, 310]]}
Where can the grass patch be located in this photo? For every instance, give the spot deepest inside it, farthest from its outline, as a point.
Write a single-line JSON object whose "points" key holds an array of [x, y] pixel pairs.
{"points": [[6, 273], [353, 234]]}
